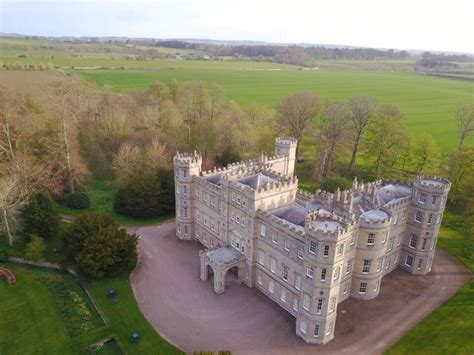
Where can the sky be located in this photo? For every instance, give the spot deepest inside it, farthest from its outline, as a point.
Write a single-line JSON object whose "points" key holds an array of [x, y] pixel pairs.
{"points": [[402, 24]]}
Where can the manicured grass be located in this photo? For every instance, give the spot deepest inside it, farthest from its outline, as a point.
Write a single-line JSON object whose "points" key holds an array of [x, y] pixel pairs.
{"points": [[429, 103], [102, 194], [450, 328], [32, 323]]}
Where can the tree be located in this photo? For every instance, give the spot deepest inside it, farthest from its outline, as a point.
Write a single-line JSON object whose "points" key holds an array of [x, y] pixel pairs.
{"points": [[82, 228], [465, 119], [297, 112], [40, 218], [426, 152], [331, 133], [127, 164], [35, 249], [458, 166], [384, 135], [362, 109], [147, 195]]}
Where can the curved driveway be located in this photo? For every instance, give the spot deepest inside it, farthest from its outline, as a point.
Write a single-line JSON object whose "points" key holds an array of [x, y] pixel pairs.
{"points": [[187, 312]]}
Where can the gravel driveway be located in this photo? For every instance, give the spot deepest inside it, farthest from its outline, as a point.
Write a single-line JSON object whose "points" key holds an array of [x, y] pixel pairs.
{"points": [[187, 312]]}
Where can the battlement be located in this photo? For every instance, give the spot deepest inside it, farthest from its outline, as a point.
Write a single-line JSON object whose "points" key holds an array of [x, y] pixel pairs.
{"points": [[272, 219], [187, 159], [375, 218], [391, 205], [433, 182], [289, 142], [327, 224]]}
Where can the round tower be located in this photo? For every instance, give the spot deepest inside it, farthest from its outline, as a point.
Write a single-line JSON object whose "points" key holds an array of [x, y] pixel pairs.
{"points": [[287, 147], [427, 207], [185, 167]]}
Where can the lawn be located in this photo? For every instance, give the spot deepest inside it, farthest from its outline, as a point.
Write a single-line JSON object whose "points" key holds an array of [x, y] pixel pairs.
{"points": [[33, 321], [102, 194], [428, 102], [450, 328]]}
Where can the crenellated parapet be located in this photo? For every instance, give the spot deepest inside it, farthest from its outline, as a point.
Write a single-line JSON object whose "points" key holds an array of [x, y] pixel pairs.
{"points": [[433, 183]]}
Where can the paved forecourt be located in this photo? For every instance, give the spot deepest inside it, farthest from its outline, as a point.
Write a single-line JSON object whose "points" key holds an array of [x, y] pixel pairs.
{"points": [[187, 312]]}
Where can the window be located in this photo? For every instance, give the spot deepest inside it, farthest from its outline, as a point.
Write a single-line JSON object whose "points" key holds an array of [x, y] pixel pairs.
{"points": [[237, 219], [326, 251], [422, 198], [283, 295], [363, 287], [260, 279], [438, 219], [392, 241], [433, 200], [238, 200], [274, 238], [379, 264], [243, 203], [349, 266], [286, 270], [336, 273], [185, 173], [298, 281], [430, 218], [420, 262], [295, 303], [185, 212], [310, 271], [179, 228], [261, 257], [177, 190], [198, 215], [396, 259], [385, 237], [413, 240], [340, 249], [409, 260], [400, 237], [319, 307], [197, 192], [395, 218], [323, 274], [303, 325], [271, 286], [353, 239], [376, 286], [346, 288], [333, 304], [387, 264], [272, 264], [212, 225], [366, 267], [185, 190], [329, 328], [313, 247], [418, 217], [404, 215], [316, 330], [371, 239], [287, 244], [306, 301], [262, 230], [423, 246], [300, 253]]}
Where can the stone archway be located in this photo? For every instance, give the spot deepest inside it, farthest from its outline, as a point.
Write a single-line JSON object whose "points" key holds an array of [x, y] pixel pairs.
{"points": [[232, 276]]}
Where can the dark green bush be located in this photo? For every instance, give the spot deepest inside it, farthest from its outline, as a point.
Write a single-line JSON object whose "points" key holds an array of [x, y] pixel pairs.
{"points": [[78, 201], [3, 256], [40, 218]]}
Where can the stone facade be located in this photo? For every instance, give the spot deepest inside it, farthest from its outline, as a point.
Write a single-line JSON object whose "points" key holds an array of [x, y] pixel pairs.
{"points": [[306, 252]]}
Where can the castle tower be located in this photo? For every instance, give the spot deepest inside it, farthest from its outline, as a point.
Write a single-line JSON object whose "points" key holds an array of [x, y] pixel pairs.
{"points": [[424, 220], [186, 166], [287, 147]]}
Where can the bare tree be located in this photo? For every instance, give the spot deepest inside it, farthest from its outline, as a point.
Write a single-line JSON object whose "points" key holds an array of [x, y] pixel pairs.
{"points": [[465, 118], [426, 151], [331, 134], [127, 163], [297, 112], [362, 109]]}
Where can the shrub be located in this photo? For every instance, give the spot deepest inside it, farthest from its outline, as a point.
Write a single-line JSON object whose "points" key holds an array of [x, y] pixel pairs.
{"points": [[83, 227], [108, 253], [78, 201], [35, 249], [332, 184], [40, 218], [3, 256], [147, 195]]}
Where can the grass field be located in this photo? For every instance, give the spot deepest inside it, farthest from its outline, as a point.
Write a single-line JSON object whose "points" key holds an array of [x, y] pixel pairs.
{"points": [[428, 102], [31, 322], [102, 194], [449, 329]]}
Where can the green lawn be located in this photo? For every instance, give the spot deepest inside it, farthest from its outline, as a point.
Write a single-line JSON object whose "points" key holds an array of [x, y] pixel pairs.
{"points": [[32, 323], [428, 102], [102, 194], [450, 328]]}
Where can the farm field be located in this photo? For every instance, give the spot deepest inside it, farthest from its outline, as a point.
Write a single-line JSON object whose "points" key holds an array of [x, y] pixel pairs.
{"points": [[428, 102]]}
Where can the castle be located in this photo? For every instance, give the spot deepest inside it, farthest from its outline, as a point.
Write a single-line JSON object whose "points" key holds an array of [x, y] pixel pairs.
{"points": [[306, 252]]}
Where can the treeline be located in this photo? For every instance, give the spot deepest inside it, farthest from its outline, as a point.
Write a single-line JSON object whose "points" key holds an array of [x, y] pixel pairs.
{"points": [[57, 141]]}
